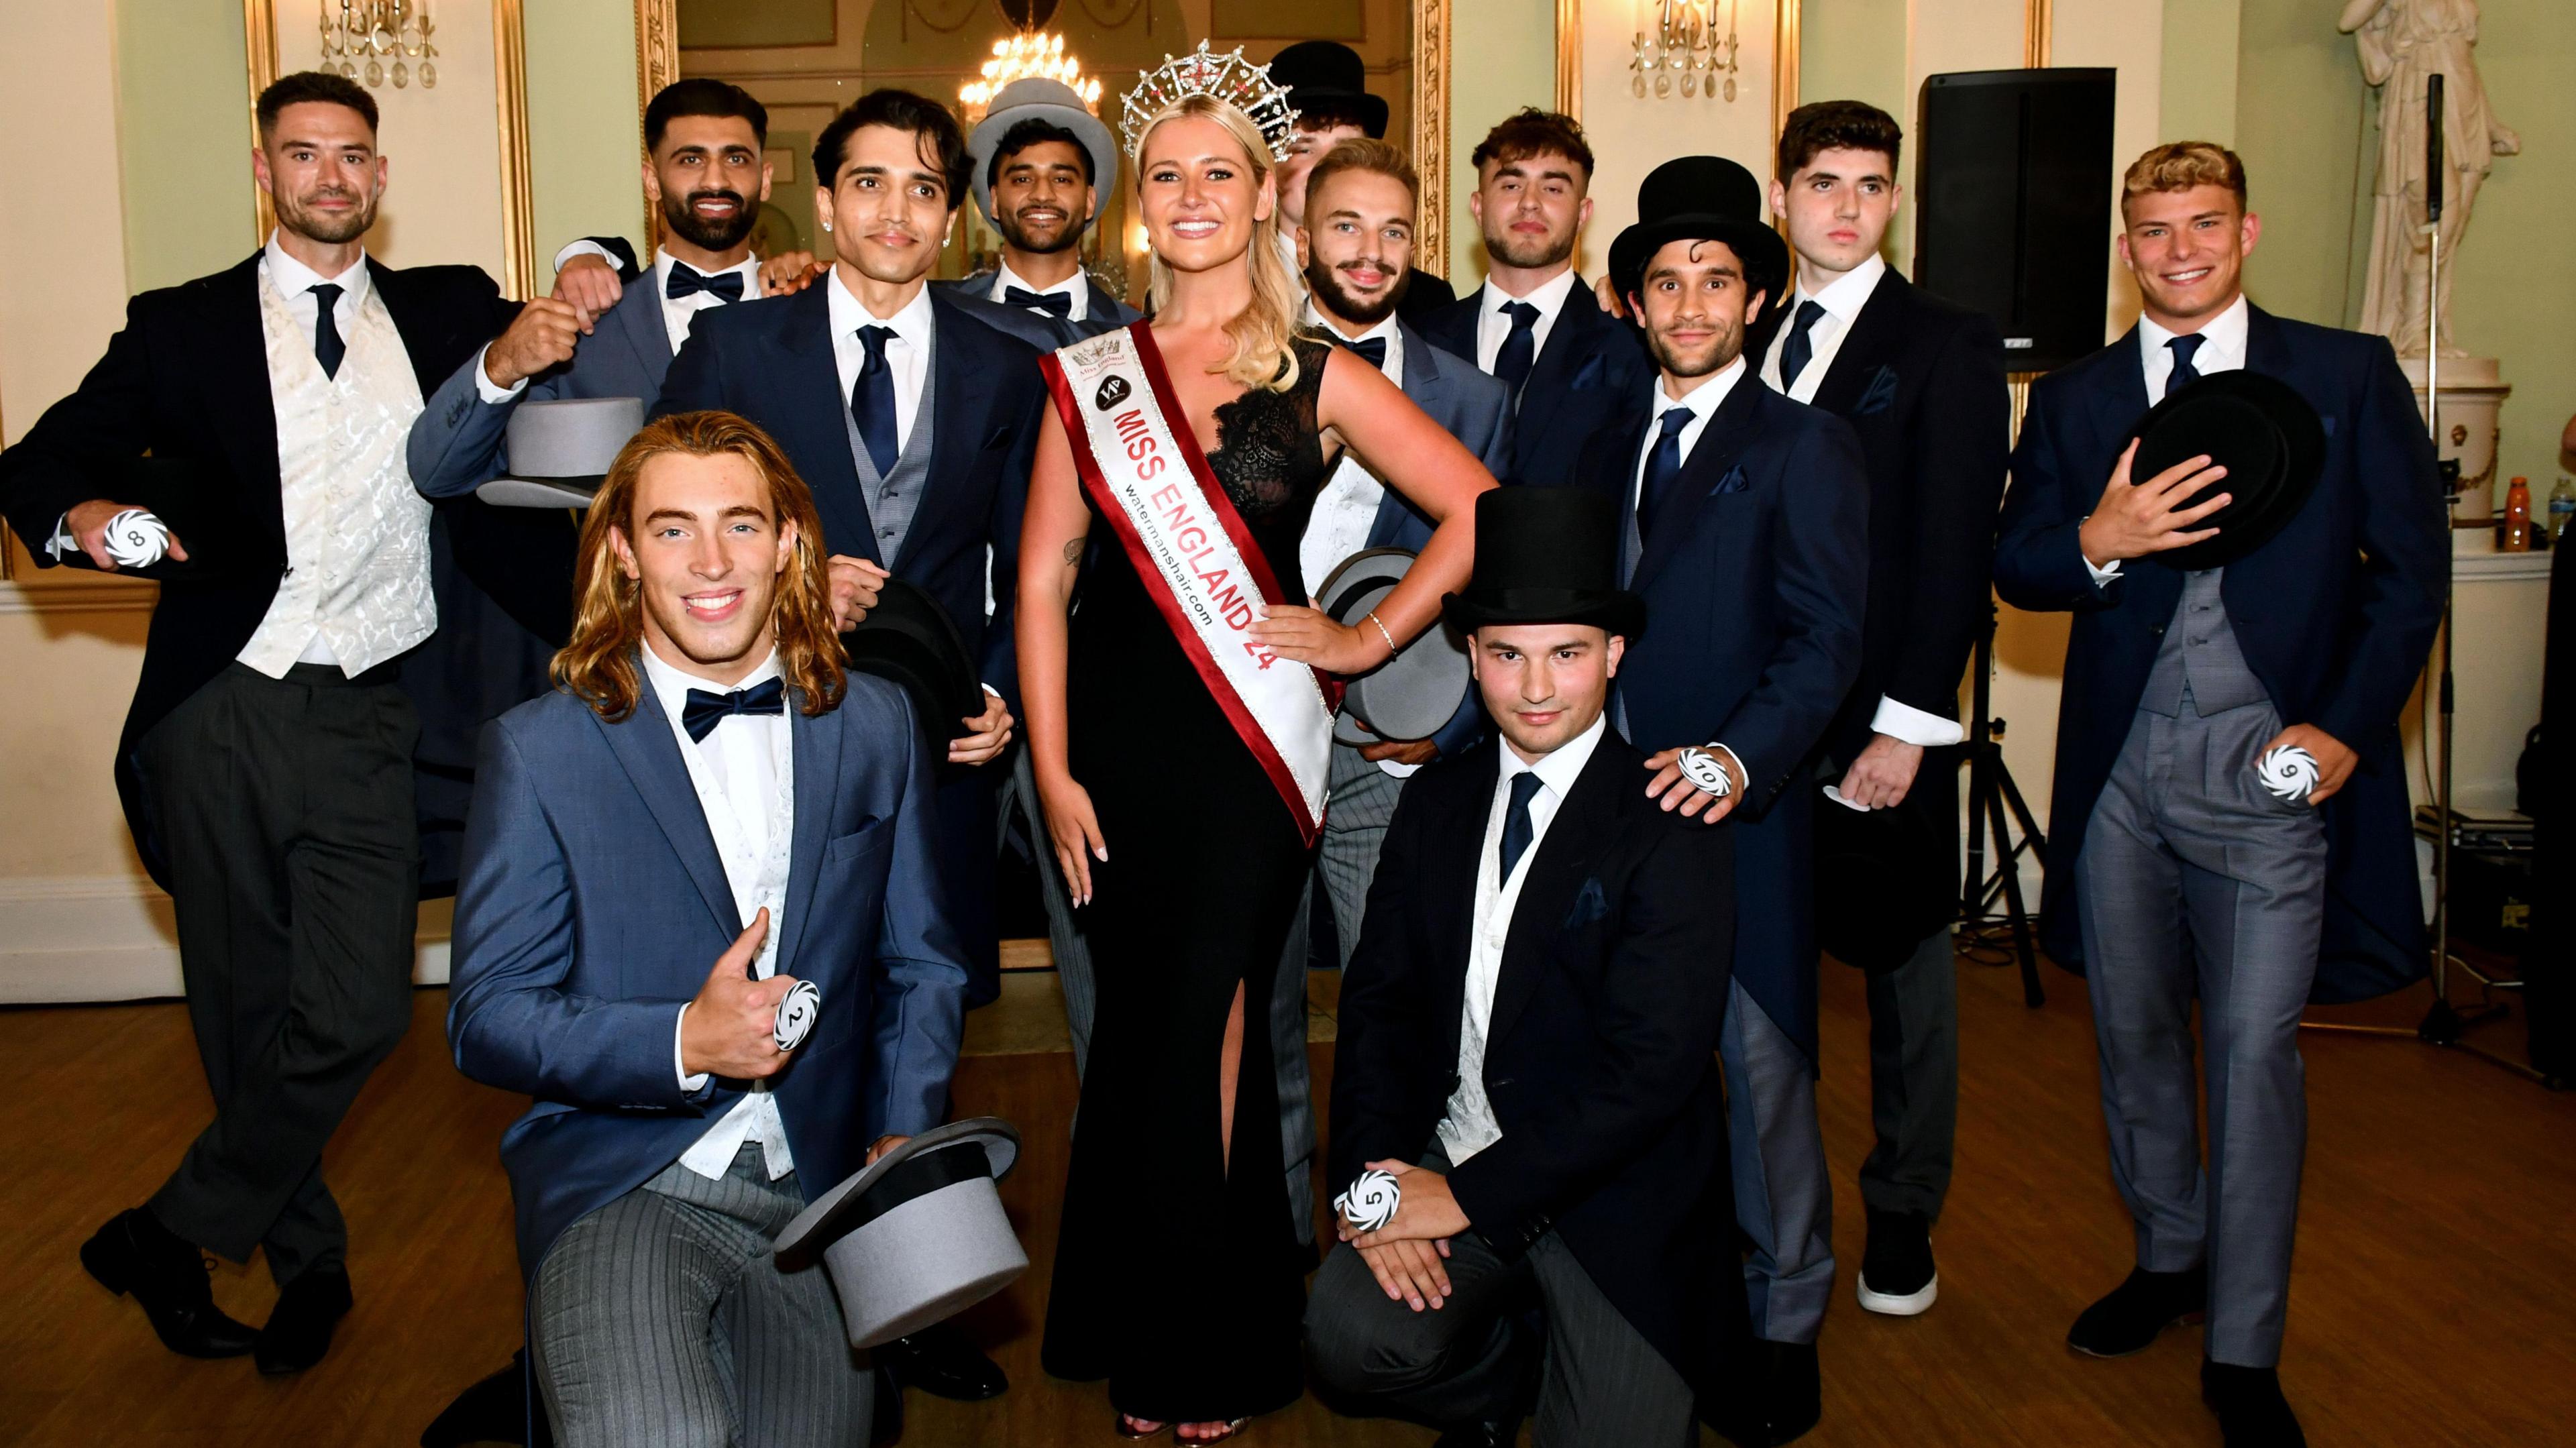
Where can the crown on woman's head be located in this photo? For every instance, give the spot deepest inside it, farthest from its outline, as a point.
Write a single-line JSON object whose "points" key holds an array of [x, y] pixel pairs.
{"points": [[1229, 78]]}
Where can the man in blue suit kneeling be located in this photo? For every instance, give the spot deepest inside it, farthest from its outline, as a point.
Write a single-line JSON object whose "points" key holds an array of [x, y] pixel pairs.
{"points": [[706, 818]]}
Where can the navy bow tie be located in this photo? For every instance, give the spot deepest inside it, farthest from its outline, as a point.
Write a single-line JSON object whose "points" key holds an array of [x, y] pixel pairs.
{"points": [[706, 710], [1060, 303], [1373, 348], [687, 280]]}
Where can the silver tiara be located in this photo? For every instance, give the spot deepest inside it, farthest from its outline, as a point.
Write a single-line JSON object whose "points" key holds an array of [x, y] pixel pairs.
{"points": [[1228, 77]]}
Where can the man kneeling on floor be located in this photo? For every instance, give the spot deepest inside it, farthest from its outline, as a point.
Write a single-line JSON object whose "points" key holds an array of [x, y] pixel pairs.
{"points": [[707, 818], [1528, 1045]]}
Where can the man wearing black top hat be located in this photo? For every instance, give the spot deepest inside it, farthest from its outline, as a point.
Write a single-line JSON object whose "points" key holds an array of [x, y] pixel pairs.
{"points": [[1328, 86], [1745, 526], [2261, 569], [1545, 1098]]}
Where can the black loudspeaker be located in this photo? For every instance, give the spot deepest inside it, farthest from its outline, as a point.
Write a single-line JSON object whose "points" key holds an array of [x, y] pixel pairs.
{"points": [[2012, 187]]}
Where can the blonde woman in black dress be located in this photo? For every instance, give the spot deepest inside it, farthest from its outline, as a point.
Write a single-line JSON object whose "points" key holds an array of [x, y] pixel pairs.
{"points": [[1178, 1272]]}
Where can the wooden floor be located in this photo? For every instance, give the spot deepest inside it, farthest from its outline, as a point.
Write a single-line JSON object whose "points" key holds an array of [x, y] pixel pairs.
{"points": [[2432, 1302]]}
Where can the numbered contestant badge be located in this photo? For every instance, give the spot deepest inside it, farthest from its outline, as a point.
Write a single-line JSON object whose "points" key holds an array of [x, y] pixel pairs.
{"points": [[1370, 1202], [137, 539], [2289, 772], [1706, 772], [796, 1012]]}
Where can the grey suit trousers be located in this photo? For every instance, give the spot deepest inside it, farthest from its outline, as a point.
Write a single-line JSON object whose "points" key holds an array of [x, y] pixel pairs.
{"points": [[2195, 881], [1784, 1197], [662, 1318]]}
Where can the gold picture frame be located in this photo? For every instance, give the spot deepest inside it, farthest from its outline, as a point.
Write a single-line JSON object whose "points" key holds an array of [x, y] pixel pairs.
{"points": [[657, 64], [1431, 135]]}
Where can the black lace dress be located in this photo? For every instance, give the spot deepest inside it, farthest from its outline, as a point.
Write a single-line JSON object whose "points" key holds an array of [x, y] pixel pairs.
{"points": [[1179, 1280]]}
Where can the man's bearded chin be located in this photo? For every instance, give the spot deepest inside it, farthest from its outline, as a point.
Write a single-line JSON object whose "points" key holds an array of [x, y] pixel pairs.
{"points": [[1726, 350], [302, 218], [1529, 255], [1326, 282], [713, 234], [1008, 224]]}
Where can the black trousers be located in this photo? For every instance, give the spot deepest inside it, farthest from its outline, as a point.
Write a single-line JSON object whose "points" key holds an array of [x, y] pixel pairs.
{"points": [[286, 809]]}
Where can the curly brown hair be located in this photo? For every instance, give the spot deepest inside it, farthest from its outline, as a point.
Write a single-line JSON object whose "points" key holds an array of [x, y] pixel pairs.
{"points": [[599, 666]]}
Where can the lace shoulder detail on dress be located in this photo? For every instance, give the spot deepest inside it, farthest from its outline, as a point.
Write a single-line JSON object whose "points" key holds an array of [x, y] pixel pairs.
{"points": [[1269, 454]]}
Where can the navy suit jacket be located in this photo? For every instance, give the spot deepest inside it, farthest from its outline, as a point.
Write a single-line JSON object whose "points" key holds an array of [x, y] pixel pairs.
{"points": [[1592, 372], [2335, 615], [594, 904], [1044, 331], [771, 361], [1755, 578]]}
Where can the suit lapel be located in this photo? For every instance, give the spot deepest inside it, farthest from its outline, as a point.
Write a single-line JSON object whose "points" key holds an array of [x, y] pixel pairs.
{"points": [[1574, 841], [1728, 434], [651, 759], [2122, 400], [238, 387], [813, 411], [1451, 877], [815, 744], [638, 315], [956, 362], [2266, 351], [1569, 345], [1871, 343]]}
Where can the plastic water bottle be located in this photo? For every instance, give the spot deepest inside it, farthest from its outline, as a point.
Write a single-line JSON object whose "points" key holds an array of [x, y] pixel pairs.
{"points": [[2562, 509]]}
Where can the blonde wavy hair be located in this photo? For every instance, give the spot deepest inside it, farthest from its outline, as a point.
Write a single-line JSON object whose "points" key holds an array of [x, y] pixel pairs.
{"points": [[1261, 355], [599, 666]]}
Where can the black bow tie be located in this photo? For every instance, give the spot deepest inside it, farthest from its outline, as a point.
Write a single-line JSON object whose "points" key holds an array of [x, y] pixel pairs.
{"points": [[1373, 348], [687, 280], [1060, 303], [707, 710]]}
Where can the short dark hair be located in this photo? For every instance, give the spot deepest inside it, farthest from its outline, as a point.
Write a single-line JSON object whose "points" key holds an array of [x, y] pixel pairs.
{"points": [[1534, 132], [942, 142], [1376, 157], [1836, 126], [1319, 115], [701, 95], [312, 85], [1035, 132]]}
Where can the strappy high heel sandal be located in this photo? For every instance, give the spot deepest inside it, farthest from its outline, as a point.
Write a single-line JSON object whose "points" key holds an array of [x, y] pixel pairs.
{"points": [[1119, 1423]]}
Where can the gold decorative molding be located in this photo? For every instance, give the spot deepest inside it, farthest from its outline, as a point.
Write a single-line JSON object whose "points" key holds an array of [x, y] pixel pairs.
{"points": [[657, 64], [1569, 57], [1785, 23], [2038, 20], [259, 54], [1431, 132], [518, 195]]}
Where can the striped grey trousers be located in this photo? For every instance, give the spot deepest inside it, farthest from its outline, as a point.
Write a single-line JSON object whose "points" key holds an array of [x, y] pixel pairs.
{"points": [[662, 1318]]}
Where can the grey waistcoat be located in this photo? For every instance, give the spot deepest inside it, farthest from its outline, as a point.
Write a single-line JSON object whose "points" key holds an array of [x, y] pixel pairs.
{"points": [[892, 498], [2199, 661]]}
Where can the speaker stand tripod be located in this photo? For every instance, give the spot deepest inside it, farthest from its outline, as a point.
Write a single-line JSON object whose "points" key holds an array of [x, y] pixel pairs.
{"points": [[1994, 799]]}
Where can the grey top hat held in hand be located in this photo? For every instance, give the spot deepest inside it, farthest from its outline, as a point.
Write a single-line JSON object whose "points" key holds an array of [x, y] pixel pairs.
{"points": [[1036, 98], [560, 451], [1412, 694], [920, 1235]]}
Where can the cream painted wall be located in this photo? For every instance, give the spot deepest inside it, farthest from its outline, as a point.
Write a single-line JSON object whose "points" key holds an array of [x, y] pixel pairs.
{"points": [[1502, 56], [2201, 60], [183, 140], [443, 193], [585, 135]]}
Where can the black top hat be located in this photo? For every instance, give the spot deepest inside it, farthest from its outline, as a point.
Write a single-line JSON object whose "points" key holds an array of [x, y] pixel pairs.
{"points": [[2262, 431], [1319, 71], [1546, 555], [1882, 883], [1701, 198], [910, 640]]}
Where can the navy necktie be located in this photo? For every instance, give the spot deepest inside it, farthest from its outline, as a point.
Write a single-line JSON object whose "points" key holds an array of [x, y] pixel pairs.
{"points": [[706, 710], [1662, 466], [1520, 349], [1060, 303], [1799, 349], [872, 401], [2183, 374], [1517, 829], [328, 349], [686, 280], [1373, 348]]}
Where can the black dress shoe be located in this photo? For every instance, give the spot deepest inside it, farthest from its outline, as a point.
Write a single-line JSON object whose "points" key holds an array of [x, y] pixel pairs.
{"points": [[494, 1410], [1896, 1273], [167, 1275], [2251, 1411], [299, 1327], [2137, 1310], [944, 1362], [1781, 1395], [1501, 1434]]}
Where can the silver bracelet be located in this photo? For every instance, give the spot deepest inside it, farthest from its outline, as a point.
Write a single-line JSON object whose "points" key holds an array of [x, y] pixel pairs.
{"points": [[1382, 633]]}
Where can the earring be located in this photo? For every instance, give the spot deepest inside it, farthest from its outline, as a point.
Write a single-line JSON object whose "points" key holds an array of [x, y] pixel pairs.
{"points": [[827, 226]]}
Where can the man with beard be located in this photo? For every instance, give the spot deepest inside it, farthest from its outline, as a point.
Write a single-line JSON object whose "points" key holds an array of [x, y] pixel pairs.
{"points": [[706, 178], [1571, 368], [321, 630], [1328, 86], [1040, 158], [1747, 534]]}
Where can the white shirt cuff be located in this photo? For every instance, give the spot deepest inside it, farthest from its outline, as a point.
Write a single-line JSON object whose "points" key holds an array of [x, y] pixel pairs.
{"points": [[688, 1083], [1909, 725], [2103, 575], [483, 388], [62, 545], [583, 248], [1735, 759], [1396, 769]]}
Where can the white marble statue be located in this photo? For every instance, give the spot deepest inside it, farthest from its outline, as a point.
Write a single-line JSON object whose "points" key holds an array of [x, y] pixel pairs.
{"points": [[2401, 43]]}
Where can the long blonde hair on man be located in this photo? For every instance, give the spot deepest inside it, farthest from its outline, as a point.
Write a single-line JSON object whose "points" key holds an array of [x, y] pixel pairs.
{"points": [[1261, 355], [599, 666]]}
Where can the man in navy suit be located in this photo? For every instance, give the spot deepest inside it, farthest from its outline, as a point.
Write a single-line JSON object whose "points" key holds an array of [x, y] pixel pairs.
{"points": [[2171, 873], [708, 814], [1571, 367], [1747, 532], [1042, 160]]}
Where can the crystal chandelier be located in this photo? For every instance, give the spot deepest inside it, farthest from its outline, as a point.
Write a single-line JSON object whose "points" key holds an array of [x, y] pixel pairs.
{"points": [[1028, 53], [377, 31], [1683, 38]]}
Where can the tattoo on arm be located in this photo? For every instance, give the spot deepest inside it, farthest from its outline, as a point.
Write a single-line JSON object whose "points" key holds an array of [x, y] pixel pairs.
{"points": [[1073, 549]]}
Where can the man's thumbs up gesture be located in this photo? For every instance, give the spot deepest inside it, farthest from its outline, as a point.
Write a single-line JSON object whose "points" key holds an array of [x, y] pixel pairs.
{"points": [[731, 1028]]}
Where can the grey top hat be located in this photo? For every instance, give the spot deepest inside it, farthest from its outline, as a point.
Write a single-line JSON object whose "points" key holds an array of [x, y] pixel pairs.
{"points": [[918, 1236], [560, 451], [1412, 694], [1036, 98]]}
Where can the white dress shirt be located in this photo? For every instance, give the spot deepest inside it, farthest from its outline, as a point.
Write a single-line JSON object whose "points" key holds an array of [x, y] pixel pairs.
{"points": [[1842, 299], [2222, 349], [1346, 509], [1469, 1126], [743, 773], [676, 314], [1076, 286], [907, 352], [1492, 326]]}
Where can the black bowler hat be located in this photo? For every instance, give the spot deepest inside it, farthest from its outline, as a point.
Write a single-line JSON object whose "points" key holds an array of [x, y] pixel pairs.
{"points": [[2262, 431], [1883, 882], [1701, 198], [1320, 72], [908, 639], [1546, 555]]}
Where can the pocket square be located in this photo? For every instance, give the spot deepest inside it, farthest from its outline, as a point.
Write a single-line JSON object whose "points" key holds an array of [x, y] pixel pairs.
{"points": [[1000, 436], [1881, 394], [1589, 905], [1733, 482], [1587, 375]]}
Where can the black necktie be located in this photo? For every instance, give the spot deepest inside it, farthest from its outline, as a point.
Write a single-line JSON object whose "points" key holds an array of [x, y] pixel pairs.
{"points": [[1517, 829], [872, 400], [1662, 466], [686, 280], [328, 349], [706, 710], [1373, 348], [1799, 350], [1060, 303], [1520, 348], [2183, 374]]}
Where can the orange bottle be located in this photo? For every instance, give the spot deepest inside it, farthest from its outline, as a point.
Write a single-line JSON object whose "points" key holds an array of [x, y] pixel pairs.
{"points": [[2517, 517]]}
